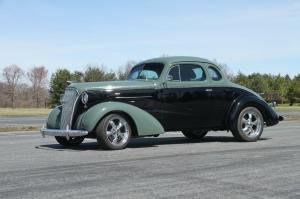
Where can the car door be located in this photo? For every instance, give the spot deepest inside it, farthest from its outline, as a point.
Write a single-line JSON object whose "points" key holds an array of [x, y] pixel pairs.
{"points": [[221, 96], [186, 103], [171, 96]]}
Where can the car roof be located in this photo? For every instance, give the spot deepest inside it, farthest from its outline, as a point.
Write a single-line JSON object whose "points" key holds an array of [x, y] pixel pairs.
{"points": [[173, 59]]}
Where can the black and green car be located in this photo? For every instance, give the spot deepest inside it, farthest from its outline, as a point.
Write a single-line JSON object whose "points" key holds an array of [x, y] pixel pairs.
{"points": [[186, 94]]}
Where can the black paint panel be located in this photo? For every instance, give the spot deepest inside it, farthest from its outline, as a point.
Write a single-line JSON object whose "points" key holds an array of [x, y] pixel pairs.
{"points": [[180, 108]]}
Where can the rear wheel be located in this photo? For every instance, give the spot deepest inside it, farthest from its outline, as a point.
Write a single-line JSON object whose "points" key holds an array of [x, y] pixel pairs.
{"points": [[114, 131], [72, 141], [249, 125], [195, 135]]}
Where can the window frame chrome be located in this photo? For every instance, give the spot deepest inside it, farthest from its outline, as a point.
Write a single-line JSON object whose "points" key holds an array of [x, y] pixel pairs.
{"points": [[175, 65]]}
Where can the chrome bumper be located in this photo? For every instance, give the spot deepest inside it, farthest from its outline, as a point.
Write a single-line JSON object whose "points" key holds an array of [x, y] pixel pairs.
{"points": [[63, 132]]}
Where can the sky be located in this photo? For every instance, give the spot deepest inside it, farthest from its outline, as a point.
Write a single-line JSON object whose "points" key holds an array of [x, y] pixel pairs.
{"points": [[248, 36]]}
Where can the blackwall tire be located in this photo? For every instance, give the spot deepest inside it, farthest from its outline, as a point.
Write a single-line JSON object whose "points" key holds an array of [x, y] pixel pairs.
{"points": [[248, 125], [114, 132], [73, 141], [195, 135]]}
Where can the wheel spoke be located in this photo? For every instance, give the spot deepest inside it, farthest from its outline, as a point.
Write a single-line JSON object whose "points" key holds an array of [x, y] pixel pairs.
{"points": [[109, 133], [245, 128], [115, 138], [121, 135], [120, 125], [250, 117], [254, 122], [251, 131], [244, 121], [112, 123]]}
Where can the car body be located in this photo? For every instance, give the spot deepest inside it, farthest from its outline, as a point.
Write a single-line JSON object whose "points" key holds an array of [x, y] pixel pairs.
{"points": [[187, 94]]}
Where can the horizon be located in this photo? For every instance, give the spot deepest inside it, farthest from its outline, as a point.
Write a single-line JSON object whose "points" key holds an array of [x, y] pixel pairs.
{"points": [[251, 37]]}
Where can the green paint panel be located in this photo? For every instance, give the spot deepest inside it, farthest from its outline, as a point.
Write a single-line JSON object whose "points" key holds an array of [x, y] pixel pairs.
{"points": [[53, 120], [145, 123]]}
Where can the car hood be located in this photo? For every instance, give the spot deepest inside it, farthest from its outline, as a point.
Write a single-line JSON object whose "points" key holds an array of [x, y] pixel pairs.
{"points": [[114, 85]]}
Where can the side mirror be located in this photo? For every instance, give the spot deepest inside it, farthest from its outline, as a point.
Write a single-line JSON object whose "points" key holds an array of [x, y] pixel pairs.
{"points": [[169, 78]]}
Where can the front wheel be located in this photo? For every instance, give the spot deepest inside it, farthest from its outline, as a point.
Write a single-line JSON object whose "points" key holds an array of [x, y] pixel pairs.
{"points": [[195, 135], [114, 131], [72, 141], [249, 125]]}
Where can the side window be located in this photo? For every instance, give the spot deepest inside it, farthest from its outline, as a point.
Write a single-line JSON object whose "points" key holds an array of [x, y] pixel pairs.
{"points": [[214, 73], [173, 74], [191, 72], [148, 74]]}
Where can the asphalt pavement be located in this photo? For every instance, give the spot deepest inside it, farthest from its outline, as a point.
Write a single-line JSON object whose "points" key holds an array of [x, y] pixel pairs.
{"points": [[23, 120], [169, 166]]}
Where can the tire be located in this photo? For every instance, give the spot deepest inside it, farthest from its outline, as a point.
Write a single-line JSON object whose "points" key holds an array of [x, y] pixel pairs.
{"points": [[195, 135], [73, 141], [248, 125], [114, 131]]}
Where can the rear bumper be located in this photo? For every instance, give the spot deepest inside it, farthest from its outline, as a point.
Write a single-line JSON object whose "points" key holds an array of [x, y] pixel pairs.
{"points": [[63, 132], [275, 120]]}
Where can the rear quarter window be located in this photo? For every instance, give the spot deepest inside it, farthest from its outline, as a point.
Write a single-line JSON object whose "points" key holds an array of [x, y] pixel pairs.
{"points": [[214, 74]]}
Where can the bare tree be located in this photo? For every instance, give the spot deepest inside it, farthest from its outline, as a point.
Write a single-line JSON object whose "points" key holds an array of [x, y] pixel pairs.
{"points": [[12, 75], [225, 69], [123, 71], [38, 78]]}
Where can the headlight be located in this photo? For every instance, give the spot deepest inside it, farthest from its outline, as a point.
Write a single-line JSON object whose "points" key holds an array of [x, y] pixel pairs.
{"points": [[84, 98]]}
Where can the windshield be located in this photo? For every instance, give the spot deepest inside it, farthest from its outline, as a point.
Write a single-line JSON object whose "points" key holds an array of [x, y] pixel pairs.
{"points": [[146, 71]]}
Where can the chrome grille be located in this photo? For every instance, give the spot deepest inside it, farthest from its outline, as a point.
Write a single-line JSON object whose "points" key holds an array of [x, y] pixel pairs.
{"points": [[68, 106]]}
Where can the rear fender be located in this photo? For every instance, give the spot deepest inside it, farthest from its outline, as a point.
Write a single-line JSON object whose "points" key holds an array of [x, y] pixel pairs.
{"points": [[269, 115]]}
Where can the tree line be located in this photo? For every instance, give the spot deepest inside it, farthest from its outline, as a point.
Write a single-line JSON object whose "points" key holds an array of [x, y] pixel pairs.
{"points": [[282, 89], [59, 79], [16, 93], [38, 91], [19, 88]]}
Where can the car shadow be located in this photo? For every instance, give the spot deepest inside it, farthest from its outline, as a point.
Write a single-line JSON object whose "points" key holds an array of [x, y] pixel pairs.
{"points": [[144, 143]]}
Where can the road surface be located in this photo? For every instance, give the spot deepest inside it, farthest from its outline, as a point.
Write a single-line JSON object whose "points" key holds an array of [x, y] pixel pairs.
{"points": [[169, 166], [23, 120]]}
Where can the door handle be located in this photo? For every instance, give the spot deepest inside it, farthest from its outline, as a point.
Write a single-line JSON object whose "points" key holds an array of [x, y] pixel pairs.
{"points": [[208, 89]]}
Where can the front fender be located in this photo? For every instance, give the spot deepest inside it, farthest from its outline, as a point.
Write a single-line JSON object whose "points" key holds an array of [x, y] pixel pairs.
{"points": [[145, 123], [269, 115], [53, 121]]}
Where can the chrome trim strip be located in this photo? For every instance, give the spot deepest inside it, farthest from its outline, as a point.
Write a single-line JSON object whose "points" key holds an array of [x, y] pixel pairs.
{"points": [[173, 66], [73, 109], [145, 96]]}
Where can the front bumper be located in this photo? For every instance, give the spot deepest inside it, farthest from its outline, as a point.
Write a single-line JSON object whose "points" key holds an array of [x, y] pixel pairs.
{"points": [[63, 132]]}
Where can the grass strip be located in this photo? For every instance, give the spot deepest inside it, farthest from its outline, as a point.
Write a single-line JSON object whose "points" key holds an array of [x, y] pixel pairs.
{"points": [[13, 128], [23, 112]]}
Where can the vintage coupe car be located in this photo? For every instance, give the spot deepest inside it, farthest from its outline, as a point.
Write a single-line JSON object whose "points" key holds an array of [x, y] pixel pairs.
{"points": [[185, 94]]}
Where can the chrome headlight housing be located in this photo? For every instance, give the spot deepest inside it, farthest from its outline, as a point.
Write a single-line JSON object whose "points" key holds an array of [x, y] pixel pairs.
{"points": [[84, 98]]}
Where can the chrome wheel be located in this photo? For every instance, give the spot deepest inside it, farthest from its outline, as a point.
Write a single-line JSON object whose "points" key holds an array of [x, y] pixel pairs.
{"points": [[251, 124], [117, 130]]}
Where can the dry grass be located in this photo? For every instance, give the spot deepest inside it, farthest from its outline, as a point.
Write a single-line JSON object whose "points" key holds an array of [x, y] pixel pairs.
{"points": [[287, 108], [291, 117], [12, 128], [20, 112]]}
